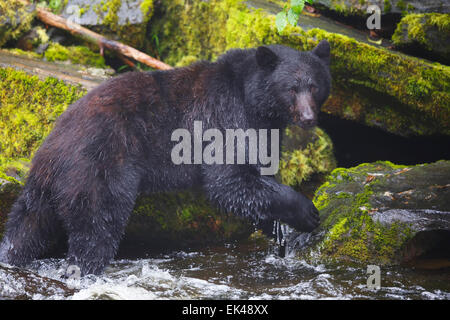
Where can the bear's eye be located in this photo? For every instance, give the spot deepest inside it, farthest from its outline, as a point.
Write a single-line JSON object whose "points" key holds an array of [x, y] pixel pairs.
{"points": [[314, 89]]}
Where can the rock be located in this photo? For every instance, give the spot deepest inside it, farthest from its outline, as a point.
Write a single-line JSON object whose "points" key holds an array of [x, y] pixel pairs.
{"points": [[359, 7], [20, 284], [425, 34], [126, 20], [15, 19], [34, 38], [383, 213]]}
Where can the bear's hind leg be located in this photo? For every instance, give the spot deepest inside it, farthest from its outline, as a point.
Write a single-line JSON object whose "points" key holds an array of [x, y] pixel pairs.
{"points": [[95, 231], [29, 230]]}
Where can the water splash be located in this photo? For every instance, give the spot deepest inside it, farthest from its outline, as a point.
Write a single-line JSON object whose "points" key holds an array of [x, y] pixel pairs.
{"points": [[251, 270]]}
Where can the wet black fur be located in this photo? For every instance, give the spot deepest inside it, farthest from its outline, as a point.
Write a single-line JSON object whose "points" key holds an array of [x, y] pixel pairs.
{"points": [[114, 144]]}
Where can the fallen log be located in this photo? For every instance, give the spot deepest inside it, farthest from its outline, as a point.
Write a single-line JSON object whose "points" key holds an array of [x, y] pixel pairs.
{"points": [[91, 36]]}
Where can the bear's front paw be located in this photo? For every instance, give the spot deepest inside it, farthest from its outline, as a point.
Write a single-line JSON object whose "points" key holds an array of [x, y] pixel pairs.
{"points": [[297, 211], [307, 216]]}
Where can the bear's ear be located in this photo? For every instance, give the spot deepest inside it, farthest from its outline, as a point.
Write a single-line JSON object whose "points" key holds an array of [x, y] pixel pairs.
{"points": [[323, 51], [266, 58]]}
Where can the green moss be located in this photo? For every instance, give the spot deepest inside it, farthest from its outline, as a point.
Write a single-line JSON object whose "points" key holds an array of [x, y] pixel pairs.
{"points": [[299, 163], [429, 31], [15, 19], [401, 5], [132, 34], [28, 54], [29, 108], [387, 6], [111, 7], [371, 85], [14, 170], [185, 61], [75, 54], [147, 9], [344, 202]]}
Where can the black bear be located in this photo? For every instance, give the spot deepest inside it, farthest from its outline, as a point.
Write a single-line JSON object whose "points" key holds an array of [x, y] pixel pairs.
{"points": [[115, 143]]}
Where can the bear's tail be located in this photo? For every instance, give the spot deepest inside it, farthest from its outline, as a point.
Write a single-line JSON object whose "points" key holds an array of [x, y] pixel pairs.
{"points": [[28, 229]]}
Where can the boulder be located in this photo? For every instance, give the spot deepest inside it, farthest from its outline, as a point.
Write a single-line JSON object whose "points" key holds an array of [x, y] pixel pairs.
{"points": [[425, 34], [15, 19], [124, 20], [383, 213]]}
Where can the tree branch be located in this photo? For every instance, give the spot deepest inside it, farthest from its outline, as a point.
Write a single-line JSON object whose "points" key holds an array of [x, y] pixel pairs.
{"points": [[91, 36]]}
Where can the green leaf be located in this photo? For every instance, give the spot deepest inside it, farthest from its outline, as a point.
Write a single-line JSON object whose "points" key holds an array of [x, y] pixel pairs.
{"points": [[292, 17], [310, 1], [298, 8], [281, 21]]}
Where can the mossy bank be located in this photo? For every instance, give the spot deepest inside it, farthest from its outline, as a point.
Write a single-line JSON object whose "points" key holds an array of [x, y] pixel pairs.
{"points": [[374, 86]]}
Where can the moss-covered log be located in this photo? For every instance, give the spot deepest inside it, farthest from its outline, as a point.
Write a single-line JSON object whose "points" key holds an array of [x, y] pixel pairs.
{"points": [[383, 213], [374, 86]]}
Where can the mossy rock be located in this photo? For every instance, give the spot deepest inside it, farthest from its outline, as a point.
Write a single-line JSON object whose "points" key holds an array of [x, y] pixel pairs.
{"points": [[427, 33], [125, 20], [374, 86], [15, 19], [36, 38], [75, 54], [359, 7], [383, 213], [29, 107]]}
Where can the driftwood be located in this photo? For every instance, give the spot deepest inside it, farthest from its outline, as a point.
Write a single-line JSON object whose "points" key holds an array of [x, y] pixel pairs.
{"points": [[74, 28]]}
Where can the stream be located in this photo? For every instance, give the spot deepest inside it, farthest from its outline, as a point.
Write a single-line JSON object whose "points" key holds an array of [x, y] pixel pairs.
{"points": [[245, 270]]}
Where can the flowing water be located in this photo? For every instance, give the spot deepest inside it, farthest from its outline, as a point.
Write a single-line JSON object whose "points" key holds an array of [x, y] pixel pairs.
{"points": [[245, 270]]}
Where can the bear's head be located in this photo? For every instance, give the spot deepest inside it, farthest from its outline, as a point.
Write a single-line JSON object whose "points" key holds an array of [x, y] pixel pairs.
{"points": [[292, 85]]}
